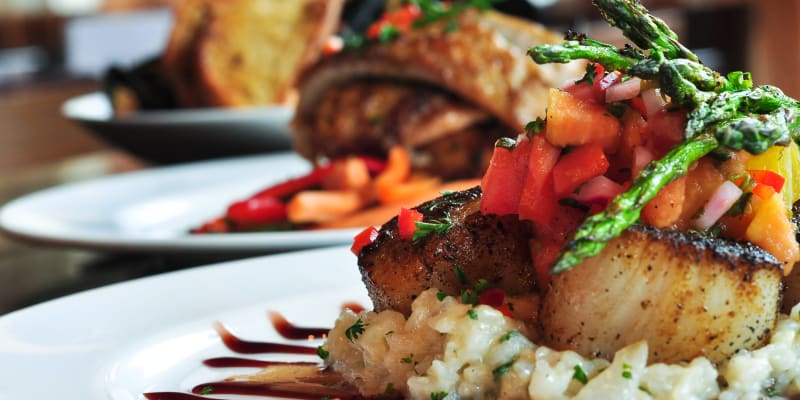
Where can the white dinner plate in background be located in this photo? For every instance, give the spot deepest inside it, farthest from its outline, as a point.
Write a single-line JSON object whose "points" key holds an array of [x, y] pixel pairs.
{"points": [[153, 210]]}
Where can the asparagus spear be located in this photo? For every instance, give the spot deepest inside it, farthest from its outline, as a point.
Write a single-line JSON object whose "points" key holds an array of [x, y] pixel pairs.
{"points": [[726, 113]]}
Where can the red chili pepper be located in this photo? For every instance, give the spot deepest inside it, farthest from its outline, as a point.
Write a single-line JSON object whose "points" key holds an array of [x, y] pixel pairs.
{"points": [[407, 222], [365, 237], [506, 310], [769, 178], [492, 297], [294, 185], [257, 211]]}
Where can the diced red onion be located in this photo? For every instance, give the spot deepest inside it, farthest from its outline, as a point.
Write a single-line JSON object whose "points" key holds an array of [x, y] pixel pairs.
{"points": [[608, 80], [720, 202], [598, 190], [623, 90], [641, 156], [653, 102]]}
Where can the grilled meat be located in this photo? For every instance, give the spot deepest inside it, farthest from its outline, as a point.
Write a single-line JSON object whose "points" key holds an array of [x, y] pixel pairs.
{"points": [[687, 295], [426, 85]]}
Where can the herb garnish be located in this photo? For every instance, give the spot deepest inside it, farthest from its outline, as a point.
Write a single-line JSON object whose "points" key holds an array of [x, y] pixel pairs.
{"points": [[626, 371], [579, 374], [502, 370], [206, 390], [439, 226], [535, 126], [440, 295], [322, 353], [438, 395], [354, 331], [472, 314]]}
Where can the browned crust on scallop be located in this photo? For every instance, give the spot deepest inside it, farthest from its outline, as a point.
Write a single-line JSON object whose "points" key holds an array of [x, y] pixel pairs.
{"points": [[476, 62], [490, 247], [687, 295]]}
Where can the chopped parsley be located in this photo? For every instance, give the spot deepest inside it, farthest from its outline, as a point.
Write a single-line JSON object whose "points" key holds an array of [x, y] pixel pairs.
{"points": [[206, 390], [407, 360], [535, 126], [438, 395], [482, 285], [646, 390], [579, 374], [322, 353], [460, 275], [440, 295], [502, 370], [738, 208], [353, 332], [626, 371], [434, 11], [469, 297], [589, 76], [426, 228], [472, 314], [508, 336], [388, 32]]}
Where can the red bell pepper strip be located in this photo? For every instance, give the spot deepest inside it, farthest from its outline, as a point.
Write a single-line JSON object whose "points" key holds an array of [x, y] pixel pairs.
{"points": [[364, 238], [763, 191], [407, 222], [294, 185], [583, 163], [769, 178], [256, 211]]}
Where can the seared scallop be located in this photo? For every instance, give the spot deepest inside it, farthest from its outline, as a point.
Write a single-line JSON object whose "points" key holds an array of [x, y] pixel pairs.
{"points": [[475, 247], [687, 295]]}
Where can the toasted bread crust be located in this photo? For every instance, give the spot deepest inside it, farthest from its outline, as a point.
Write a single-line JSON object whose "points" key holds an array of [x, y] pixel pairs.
{"points": [[245, 52]]}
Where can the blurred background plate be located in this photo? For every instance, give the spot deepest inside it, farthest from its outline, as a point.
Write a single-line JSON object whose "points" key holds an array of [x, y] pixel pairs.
{"points": [[173, 136]]}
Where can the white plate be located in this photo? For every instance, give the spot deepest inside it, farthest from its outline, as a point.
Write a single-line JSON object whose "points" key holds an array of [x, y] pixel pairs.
{"points": [[151, 334], [172, 136], [152, 210]]}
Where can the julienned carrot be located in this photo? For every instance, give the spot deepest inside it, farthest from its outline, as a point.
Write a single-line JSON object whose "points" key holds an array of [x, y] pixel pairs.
{"points": [[398, 169], [403, 190], [378, 215], [320, 206]]}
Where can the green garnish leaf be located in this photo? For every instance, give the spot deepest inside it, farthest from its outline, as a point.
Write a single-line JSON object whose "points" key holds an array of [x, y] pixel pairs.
{"points": [[438, 395], [589, 76], [407, 360], [579, 374], [387, 33], [502, 370], [440, 295], [508, 336], [626, 371], [322, 353], [354, 331], [206, 390], [535, 126], [472, 314], [460, 275], [426, 228]]}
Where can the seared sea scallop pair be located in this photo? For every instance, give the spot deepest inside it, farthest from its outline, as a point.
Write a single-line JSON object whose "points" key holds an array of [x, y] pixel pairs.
{"points": [[685, 294]]}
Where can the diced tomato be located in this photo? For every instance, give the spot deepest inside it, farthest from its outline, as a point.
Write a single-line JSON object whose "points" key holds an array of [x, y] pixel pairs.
{"points": [[763, 191], [401, 19], [294, 185], [667, 129], [583, 163], [573, 122], [769, 178], [638, 104], [504, 179], [538, 200], [257, 211], [506, 310], [407, 222], [365, 237], [492, 297]]}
